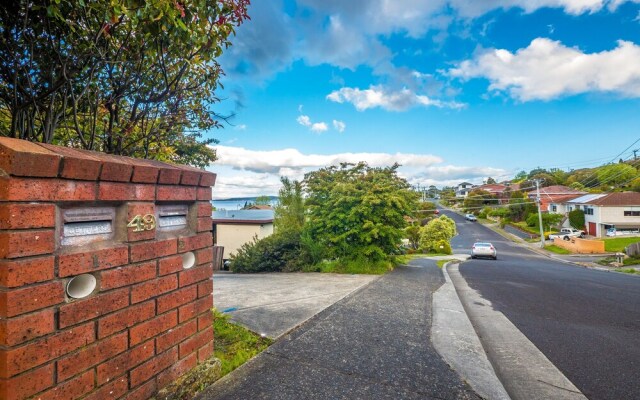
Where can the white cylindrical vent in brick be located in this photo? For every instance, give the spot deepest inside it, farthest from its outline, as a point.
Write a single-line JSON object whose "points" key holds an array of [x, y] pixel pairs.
{"points": [[188, 260], [81, 286]]}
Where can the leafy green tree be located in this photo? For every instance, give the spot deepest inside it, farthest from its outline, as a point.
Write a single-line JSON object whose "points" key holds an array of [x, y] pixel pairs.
{"points": [[577, 186], [536, 171], [548, 220], [520, 176], [412, 233], [289, 213], [122, 76], [478, 198], [616, 174], [520, 206], [559, 176], [586, 177], [490, 181], [635, 185], [356, 211], [282, 251], [263, 201], [436, 232], [576, 219]]}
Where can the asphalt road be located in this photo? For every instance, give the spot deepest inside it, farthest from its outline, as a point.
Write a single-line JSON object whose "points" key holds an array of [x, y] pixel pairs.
{"points": [[587, 322]]}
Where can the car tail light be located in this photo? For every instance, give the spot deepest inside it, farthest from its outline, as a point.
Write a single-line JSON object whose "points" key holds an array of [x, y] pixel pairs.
{"points": [[491, 247]]}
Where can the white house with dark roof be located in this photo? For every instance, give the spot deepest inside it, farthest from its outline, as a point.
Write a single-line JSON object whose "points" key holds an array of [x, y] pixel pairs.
{"points": [[602, 211], [463, 189], [233, 228]]}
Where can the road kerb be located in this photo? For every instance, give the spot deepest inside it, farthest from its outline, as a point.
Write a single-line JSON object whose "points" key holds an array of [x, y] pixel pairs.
{"points": [[523, 369], [456, 341]]}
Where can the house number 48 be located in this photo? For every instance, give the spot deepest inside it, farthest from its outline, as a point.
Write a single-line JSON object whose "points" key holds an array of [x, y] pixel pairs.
{"points": [[141, 223]]}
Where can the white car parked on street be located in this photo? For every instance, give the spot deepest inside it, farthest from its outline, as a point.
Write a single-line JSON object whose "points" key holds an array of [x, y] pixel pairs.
{"points": [[484, 249], [470, 217]]}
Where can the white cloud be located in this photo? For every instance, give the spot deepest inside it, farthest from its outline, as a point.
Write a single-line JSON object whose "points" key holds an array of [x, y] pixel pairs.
{"points": [[241, 127], [379, 96], [243, 172], [547, 69], [348, 34], [304, 120], [319, 127], [339, 126]]}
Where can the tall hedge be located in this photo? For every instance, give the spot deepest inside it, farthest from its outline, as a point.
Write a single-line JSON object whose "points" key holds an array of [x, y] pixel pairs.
{"points": [[576, 219]]}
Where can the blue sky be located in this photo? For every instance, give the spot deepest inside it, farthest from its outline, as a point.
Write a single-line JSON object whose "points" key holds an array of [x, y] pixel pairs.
{"points": [[453, 90]]}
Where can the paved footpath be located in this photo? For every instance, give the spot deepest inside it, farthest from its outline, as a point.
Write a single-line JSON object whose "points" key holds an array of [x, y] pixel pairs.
{"points": [[373, 344]]}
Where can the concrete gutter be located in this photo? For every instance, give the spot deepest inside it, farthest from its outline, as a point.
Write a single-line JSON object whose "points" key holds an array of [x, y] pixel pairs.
{"points": [[525, 372], [456, 341]]}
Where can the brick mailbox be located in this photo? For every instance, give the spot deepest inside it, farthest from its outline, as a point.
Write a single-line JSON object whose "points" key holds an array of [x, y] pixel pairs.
{"points": [[105, 273]]}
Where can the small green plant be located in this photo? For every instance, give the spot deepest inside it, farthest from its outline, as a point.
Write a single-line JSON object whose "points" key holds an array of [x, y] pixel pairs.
{"points": [[555, 249], [441, 263], [235, 344], [357, 266], [631, 271]]}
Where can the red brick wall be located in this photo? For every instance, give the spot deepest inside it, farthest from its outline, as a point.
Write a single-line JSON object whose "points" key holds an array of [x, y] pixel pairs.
{"points": [[148, 320]]}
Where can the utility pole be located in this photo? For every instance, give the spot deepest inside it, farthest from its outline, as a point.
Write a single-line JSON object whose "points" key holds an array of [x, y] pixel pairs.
{"points": [[539, 200], [634, 153]]}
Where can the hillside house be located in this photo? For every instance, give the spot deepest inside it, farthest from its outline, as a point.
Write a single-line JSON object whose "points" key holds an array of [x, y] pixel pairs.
{"points": [[607, 210], [463, 189], [551, 194], [232, 229]]}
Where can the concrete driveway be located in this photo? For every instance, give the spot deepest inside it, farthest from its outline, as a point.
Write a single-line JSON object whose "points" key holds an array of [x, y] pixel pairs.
{"points": [[272, 304]]}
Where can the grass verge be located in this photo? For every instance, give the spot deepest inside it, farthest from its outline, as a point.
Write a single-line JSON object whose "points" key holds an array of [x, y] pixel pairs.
{"points": [[618, 244], [354, 267], [441, 263], [630, 271], [234, 344], [555, 249]]}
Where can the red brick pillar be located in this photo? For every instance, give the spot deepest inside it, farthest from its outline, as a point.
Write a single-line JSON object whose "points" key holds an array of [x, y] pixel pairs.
{"points": [[138, 232]]}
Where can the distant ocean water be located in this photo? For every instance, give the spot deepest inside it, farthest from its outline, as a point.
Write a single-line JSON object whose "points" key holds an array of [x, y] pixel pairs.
{"points": [[237, 203]]}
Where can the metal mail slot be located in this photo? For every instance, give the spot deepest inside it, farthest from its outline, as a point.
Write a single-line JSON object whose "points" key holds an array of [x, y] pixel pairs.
{"points": [[172, 217], [89, 224]]}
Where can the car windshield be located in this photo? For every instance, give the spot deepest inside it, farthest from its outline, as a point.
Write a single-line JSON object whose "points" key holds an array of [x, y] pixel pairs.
{"points": [[482, 245]]}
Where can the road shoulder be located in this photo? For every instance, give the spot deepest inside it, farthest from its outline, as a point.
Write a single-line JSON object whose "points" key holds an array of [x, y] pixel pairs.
{"points": [[524, 371], [456, 341]]}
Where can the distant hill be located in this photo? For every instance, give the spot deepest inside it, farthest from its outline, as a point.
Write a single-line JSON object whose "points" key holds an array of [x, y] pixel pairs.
{"points": [[247, 199]]}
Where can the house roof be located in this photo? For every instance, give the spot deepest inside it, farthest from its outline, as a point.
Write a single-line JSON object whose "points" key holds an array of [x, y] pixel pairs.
{"points": [[555, 190], [585, 198], [259, 207], [566, 198], [617, 199], [243, 216], [492, 188], [464, 183]]}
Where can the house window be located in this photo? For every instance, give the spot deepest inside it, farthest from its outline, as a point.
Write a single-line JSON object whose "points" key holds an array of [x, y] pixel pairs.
{"points": [[632, 213], [554, 208], [588, 211]]}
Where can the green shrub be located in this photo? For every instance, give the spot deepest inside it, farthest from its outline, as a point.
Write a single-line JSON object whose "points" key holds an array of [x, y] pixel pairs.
{"points": [[439, 229], [355, 266], [278, 252], [442, 247], [576, 219], [501, 212]]}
